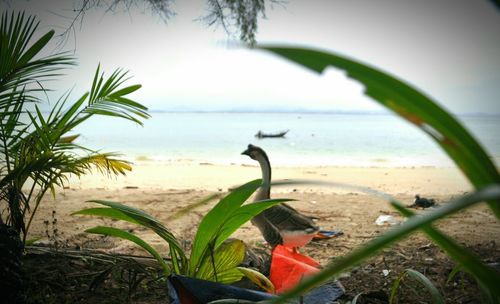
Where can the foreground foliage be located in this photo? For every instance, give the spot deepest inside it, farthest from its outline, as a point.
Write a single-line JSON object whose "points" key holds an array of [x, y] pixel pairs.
{"points": [[213, 257], [38, 151], [453, 138]]}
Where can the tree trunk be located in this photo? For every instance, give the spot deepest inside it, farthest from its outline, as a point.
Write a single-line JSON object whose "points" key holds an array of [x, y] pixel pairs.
{"points": [[12, 289]]}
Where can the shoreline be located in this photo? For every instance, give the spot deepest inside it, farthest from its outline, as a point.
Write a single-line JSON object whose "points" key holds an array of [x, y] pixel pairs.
{"points": [[215, 177]]}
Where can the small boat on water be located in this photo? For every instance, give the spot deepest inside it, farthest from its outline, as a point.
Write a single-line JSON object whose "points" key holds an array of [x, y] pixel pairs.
{"points": [[261, 134]]}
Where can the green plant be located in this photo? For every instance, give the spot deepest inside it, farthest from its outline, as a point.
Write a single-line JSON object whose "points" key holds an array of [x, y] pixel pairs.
{"points": [[454, 139], [212, 256], [38, 151], [420, 278]]}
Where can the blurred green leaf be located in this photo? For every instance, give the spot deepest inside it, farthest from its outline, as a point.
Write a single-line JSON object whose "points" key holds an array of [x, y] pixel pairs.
{"points": [[32, 241], [372, 247], [467, 259], [412, 105], [185, 210]]}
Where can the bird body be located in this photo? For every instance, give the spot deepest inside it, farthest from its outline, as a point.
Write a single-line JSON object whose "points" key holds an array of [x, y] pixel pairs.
{"points": [[423, 202], [280, 224]]}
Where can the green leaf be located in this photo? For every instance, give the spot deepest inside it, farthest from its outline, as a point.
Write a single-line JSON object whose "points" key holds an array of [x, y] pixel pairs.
{"points": [[106, 212], [106, 98], [423, 280], [221, 265], [69, 139], [140, 217], [412, 105], [110, 231], [243, 215], [370, 248], [126, 91], [36, 47], [209, 227], [32, 241]]}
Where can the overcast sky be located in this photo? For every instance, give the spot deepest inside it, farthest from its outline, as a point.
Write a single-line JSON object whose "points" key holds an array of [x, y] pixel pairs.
{"points": [[448, 48]]}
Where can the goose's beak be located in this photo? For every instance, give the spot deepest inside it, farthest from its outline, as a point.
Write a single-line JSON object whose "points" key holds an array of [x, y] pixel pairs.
{"points": [[246, 152]]}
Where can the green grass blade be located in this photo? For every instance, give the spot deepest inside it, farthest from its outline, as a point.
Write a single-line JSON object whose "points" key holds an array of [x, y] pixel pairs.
{"points": [[433, 291], [372, 247], [453, 273], [423, 280], [150, 222], [412, 105], [395, 286], [110, 231]]}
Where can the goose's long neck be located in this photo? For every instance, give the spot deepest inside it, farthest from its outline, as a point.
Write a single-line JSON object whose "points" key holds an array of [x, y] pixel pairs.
{"points": [[265, 167]]}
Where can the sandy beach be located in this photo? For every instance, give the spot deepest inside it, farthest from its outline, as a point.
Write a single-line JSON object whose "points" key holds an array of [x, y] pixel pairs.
{"points": [[161, 190]]}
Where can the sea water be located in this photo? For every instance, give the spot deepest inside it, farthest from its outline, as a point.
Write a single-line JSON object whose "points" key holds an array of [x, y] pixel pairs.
{"points": [[318, 139]]}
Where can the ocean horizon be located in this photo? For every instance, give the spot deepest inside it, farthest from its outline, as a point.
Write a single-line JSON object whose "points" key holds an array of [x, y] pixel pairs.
{"points": [[314, 138]]}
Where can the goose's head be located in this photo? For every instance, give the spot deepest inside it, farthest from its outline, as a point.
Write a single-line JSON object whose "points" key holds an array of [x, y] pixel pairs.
{"points": [[253, 152]]}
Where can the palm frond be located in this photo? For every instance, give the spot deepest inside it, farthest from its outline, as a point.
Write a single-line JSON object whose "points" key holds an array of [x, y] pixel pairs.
{"points": [[107, 98], [19, 68], [105, 163]]}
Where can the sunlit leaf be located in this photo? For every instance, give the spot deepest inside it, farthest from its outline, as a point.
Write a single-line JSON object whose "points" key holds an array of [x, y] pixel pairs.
{"points": [[258, 279], [221, 265], [211, 222]]}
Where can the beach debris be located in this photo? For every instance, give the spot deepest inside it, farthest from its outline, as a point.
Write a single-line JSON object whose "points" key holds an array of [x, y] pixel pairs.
{"points": [[289, 268], [386, 219], [422, 202], [182, 289], [327, 234]]}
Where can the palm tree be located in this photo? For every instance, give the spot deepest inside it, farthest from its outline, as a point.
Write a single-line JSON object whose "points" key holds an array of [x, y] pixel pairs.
{"points": [[38, 151]]}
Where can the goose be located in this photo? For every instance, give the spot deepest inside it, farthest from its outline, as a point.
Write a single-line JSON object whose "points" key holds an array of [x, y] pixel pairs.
{"points": [[280, 224]]}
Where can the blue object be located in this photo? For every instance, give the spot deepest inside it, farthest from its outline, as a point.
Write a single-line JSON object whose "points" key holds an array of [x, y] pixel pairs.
{"points": [[186, 290]]}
